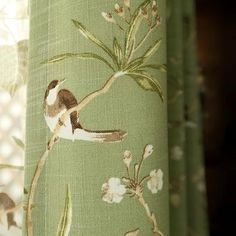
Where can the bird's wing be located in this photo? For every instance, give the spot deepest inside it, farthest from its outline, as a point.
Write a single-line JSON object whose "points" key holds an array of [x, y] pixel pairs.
{"points": [[68, 99]]}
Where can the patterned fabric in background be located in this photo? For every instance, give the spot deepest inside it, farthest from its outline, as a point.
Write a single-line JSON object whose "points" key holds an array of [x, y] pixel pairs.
{"points": [[13, 75]]}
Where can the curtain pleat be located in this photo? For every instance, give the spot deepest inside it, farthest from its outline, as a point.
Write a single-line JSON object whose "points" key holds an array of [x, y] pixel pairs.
{"points": [[196, 190], [176, 120]]}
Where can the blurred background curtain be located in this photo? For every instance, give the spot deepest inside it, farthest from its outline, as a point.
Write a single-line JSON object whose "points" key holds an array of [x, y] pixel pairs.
{"points": [[14, 26], [134, 164], [188, 207]]}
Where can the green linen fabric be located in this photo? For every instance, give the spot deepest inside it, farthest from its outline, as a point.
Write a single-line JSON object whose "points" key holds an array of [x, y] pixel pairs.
{"points": [[176, 119], [84, 188], [196, 191]]}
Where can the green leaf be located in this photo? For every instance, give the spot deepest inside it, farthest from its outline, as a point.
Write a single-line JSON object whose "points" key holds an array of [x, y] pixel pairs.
{"points": [[133, 232], [7, 166], [86, 55], [59, 58], [152, 49], [162, 68], [66, 217], [117, 51], [129, 54], [146, 82], [95, 40], [134, 25], [134, 64], [19, 142]]}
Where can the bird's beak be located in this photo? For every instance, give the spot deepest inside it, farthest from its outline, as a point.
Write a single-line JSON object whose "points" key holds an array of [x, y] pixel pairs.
{"points": [[62, 81]]}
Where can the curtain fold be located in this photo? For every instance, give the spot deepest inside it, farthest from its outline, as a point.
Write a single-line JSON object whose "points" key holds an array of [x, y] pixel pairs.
{"points": [[196, 190], [101, 169], [176, 120]]}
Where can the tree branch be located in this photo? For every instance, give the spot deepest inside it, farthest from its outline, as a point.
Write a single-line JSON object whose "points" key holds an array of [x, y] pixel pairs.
{"points": [[151, 216]]}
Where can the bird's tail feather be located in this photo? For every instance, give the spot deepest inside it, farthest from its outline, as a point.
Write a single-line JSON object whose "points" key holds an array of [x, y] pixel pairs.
{"points": [[108, 136]]}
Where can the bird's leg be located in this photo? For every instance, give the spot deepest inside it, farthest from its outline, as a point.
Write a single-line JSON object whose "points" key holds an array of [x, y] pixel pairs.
{"points": [[56, 140]]}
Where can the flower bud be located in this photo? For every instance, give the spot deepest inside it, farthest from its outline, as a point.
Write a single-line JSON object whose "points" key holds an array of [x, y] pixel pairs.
{"points": [[127, 3], [108, 17], [127, 158], [148, 151], [125, 180], [143, 12], [154, 7], [119, 10]]}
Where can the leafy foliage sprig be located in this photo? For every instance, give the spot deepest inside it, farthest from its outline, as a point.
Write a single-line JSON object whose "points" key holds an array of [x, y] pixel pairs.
{"points": [[123, 56]]}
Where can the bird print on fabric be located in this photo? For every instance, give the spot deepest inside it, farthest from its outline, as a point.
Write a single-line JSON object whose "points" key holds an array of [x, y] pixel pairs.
{"points": [[57, 102]]}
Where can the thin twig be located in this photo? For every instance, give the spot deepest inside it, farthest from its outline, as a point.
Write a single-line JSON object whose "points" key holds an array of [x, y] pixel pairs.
{"points": [[144, 179], [151, 216], [37, 173], [128, 171], [52, 141], [139, 167]]}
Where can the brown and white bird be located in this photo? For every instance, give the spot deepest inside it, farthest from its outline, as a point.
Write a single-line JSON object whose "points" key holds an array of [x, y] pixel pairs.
{"points": [[57, 102]]}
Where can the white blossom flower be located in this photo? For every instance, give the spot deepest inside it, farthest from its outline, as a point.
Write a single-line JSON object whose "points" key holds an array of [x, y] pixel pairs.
{"points": [[119, 10], [113, 191], [155, 183], [127, 3], [127, 158], [148, 151], [108, 17]]}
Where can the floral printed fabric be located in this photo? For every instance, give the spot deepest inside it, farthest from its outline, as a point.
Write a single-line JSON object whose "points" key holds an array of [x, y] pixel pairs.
{"points": [[112, 57], [97, 96]]}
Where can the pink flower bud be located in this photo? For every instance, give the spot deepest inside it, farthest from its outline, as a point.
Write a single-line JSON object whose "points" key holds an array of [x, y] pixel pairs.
{"points": [[127, 3], [143, 12], [108, 17], [154, 7], [119, 10], [127, 158]]}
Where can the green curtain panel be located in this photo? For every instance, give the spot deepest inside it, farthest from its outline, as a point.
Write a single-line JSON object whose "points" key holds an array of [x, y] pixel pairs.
{"points": [[187, 182], [176, 120], [113, 124], [96, 138], [196, 191]]}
